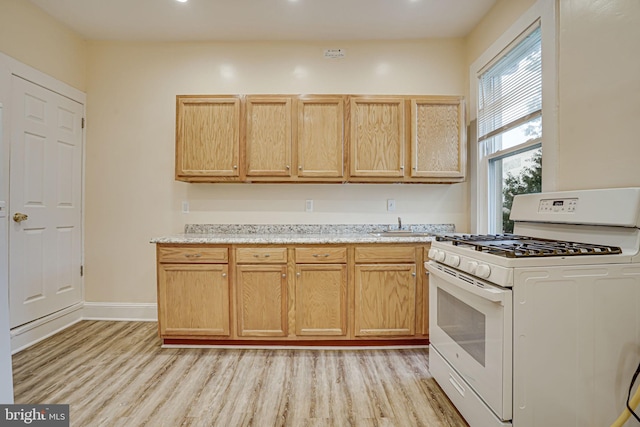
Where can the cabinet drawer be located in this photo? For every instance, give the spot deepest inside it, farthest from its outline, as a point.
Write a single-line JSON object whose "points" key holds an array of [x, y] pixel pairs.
{"points": [[321, 255], [198, 255], [261, 255], [385, 254]]}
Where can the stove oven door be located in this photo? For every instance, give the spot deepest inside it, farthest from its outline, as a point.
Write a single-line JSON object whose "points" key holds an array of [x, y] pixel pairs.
{"points": [[470, 325]]}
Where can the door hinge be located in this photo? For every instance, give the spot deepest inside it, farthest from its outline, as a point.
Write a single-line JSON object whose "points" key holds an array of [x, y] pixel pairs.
{"points": [[83, 123], [81, 270]]}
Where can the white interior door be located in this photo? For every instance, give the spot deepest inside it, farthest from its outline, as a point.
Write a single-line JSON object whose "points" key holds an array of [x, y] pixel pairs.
{"points": [[45, 244]]}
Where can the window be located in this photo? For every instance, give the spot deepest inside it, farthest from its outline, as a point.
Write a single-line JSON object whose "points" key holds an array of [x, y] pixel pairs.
{"points": [[510, 126]]}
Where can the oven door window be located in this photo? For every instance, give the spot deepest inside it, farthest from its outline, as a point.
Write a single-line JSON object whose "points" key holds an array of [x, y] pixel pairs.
{"points": [[463, 323]]}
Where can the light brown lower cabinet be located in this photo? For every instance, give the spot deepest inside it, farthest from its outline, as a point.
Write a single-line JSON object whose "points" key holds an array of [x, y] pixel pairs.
{"points": [[281, 293], [321, 299], [385, 300], [261, 291], [193, 293], [385, 291], [262, 300]]}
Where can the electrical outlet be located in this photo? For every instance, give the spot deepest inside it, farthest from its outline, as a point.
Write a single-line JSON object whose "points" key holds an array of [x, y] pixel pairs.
{"points": [[391, 205], [308, 206], [185, 206]]}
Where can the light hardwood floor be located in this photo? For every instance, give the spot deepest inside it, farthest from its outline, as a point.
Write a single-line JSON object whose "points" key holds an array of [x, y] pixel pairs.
{"points": [[116, 374]]}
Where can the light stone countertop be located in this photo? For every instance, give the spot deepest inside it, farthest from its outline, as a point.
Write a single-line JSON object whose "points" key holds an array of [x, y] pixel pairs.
{"points": [[272, 234]]}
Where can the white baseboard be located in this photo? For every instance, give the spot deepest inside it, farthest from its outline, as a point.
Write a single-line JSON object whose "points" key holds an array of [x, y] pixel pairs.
{"points": [[147, 312], [36, 331], [27, 335]]}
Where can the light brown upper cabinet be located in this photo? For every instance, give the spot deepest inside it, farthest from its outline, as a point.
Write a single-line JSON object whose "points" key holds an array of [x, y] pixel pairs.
{"points": [[320, 137], [377, 137], [268, 137], [208, 134], [438, 138]]}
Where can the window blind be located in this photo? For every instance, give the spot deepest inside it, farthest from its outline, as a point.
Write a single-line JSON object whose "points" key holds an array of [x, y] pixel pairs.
{"points": [[510, 91]]}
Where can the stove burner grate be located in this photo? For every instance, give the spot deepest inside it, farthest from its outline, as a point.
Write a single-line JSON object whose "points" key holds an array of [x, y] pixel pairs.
{"points": [[515, 246]]}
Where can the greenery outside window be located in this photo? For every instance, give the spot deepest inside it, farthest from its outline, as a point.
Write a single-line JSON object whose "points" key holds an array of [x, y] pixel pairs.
{"points": [[510, 125]]}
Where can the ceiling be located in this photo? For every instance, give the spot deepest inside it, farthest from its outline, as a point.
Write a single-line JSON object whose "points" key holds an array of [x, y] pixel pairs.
{"points": [[208, 20]]}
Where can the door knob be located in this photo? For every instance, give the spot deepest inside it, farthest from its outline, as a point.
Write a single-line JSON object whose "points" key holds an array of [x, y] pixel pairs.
{"points": [[19, 217]]}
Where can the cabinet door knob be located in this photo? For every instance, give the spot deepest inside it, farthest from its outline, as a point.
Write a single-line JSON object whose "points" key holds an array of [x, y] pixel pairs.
{"points": [[299, 167], [235, 166], [284, 275], [224, 274], [298, 274], [413, 274]]}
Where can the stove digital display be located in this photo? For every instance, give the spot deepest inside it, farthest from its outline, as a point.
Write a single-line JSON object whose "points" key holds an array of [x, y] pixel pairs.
{"points": [[555, 206]]}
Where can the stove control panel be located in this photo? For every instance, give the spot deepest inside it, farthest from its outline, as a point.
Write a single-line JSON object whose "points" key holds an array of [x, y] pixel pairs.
{"points": [[498, 275], [558, 205], [619, 207]]}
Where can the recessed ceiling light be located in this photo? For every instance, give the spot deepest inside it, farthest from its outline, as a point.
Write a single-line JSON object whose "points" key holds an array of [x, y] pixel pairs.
{"points": [[182, 1]]}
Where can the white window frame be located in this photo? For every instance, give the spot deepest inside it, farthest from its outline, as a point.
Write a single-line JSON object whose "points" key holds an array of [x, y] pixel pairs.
{"points": [[545, 11]]}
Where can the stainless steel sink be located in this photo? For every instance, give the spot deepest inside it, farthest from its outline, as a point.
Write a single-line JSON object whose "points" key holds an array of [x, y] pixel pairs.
{"points": [[400, 233]]}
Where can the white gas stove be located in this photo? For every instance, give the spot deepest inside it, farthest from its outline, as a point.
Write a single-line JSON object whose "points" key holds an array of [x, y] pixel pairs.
{"points": [[540, 327]]}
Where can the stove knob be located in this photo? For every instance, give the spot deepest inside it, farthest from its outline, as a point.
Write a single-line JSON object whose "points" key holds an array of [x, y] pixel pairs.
{"points": [[432, 253], [472, 267], [483, 271], [440, 256], [453, 260]]}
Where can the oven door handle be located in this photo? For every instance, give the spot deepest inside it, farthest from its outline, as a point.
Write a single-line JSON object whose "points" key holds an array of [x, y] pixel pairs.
{"points": [[490, 294]]}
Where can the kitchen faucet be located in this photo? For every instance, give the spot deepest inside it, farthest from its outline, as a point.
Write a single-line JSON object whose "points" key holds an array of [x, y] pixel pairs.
{"points": [[399, 223]]}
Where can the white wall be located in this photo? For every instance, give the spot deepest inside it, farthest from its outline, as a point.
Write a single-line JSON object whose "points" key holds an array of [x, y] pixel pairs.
{"points": [[32, 37], [597, 84], [599, 102], [131, 195]]}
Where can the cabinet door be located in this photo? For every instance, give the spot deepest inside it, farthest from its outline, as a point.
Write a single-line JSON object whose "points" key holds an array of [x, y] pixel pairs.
{"points": [[320, 132], [262, 300], [268, 139], [438, 138], [377, 137], [321, 299], [385, 299], [193, 300], [207, 137]]}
